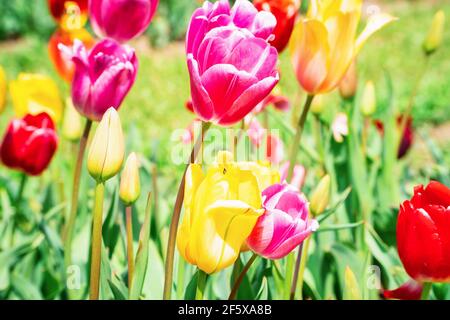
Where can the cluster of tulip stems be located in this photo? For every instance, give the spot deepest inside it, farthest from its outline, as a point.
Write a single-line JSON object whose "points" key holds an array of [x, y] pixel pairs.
{"points": [[229, 206]]}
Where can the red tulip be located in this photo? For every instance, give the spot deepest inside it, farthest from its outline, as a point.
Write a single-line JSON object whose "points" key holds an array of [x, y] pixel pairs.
{"points": [[423, 233], [69, 14], [410, 290], [29, 144], [407, 137], [63, 63], [285, 11]]}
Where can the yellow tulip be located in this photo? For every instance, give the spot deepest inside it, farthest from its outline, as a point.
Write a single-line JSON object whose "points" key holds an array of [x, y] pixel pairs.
{"points": [[325, 43], [349, 83], [320, 197], [221, 209], [435, 34], [107, 149], [130, 186], [36, 93], [72, 127], [2, 89]]}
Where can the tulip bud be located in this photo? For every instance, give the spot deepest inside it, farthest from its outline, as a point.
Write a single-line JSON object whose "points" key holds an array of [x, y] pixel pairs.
{"points": [[369, 102], [435, 34], [72, 128], [351, 289], [317, 105], [2, 89], [349, 84], [130, 186], [107, 150], [320, 196]]}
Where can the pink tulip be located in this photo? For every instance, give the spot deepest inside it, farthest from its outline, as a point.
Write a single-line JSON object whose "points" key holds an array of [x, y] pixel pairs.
{"points": [[284, 225], [275, 149], [232, 67], [340, 127], [281, 103], [121, 20], [256, 132], [298, 176], [103, 77]]}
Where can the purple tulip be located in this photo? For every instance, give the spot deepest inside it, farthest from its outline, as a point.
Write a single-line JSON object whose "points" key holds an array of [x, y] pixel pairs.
{"points": [[121, 20], [103, 77], [232, 66], [284, 225]]}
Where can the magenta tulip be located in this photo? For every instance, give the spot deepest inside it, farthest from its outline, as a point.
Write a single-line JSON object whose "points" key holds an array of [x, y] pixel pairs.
{"points": [[103, 77], [284, 225], [121, 20], [298, 176], [232, 66]]}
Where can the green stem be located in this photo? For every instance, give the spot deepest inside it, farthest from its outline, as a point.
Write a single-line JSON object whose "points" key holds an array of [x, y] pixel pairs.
{"points": [[69, 227], [426, 290], [96, 241], [239, 280], [201, 284], [130, 252], [17, 204], [298, 135], [302, 258], [289, 274], [170, 255]]}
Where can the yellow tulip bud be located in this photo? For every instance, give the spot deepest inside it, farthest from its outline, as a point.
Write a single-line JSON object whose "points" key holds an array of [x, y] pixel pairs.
{"points": [[369, 101], [349, 84], [221, 210], [130, 186], [317, 105], [36, 93], [72, 127], [435, 34], [107, 149], [2, 89], [321, 196], [351, 289]]}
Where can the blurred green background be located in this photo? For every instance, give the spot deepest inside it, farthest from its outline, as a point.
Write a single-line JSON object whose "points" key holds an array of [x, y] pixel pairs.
{"points": [[162, 86]]}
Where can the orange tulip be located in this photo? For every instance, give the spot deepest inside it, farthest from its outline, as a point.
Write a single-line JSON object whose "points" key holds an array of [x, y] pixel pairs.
{"points": [[325, 43], [63, 64]]}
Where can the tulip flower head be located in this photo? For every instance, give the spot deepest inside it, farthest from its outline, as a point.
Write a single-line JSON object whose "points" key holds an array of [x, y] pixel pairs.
{"points": [[103, 77], [340, 127], [29, 144], [435, 35], [410, 290], [232, 67], [423, 240], [62, 62], [107, 149], [34, 94], [324, 44], [279, 102], [3, 88], [284, 225], [320, 197], [349, 83], [221, 209], [121, 20], [285, 11], [72, 127], [69, 14], [369, 102], [298, 176], [130, 186]]}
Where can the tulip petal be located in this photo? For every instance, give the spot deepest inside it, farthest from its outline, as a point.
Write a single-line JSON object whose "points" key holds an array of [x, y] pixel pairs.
{"points": [[226, 226], [375, 23], [437, 194], [203, 106], [245, 103], [309, 54]]}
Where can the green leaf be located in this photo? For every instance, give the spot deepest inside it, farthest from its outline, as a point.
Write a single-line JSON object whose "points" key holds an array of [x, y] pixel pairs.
{"points": [[263, 293], [340, 226], [118, 288], [24, 288], [141, 255], [191, 288]]}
